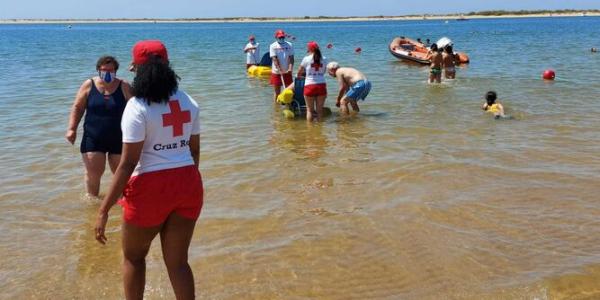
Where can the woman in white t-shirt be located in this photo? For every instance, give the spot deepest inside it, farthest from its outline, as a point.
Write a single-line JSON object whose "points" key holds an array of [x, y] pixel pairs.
{"points": [[158, 173], [313, 67]]}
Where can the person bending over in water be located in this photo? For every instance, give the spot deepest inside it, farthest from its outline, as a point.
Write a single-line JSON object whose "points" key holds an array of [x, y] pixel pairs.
{"points": [[449, 63], [353, 84], [435, 74], [492, 106]]}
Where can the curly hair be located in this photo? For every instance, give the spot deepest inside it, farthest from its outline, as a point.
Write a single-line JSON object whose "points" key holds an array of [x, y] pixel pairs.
{"points": [[155, 81]]}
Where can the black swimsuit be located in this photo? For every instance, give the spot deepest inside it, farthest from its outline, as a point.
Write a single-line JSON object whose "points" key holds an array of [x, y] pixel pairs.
{"points": [[102, 124]]}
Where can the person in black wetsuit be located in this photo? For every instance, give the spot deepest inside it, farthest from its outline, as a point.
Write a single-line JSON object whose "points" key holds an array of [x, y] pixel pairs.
{"points": [[102, 99]]}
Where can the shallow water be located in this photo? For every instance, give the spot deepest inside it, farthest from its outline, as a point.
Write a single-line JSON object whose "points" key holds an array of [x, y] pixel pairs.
{"points": [[421, 196]]}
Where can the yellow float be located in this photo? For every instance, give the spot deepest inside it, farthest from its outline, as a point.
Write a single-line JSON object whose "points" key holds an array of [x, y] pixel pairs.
{"points": [[285, 97], [259, 71]]}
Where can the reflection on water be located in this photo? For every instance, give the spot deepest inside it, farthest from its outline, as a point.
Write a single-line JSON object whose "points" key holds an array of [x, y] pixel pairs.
{"points": [[420, 196]]}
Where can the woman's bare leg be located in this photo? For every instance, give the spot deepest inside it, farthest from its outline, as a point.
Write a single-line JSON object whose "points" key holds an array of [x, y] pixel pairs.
{"points": [[113, 162], [136, 243], [320, 104], [310, 107], [95, 163], [175, 238]]}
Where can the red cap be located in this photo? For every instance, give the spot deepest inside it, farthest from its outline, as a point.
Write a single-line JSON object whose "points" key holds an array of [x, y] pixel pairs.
{"points": [[312, 46], [251, 38], [143, 50], [279, 33]]}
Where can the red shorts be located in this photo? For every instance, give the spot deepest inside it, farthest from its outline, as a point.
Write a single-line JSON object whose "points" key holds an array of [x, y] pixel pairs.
{"points": [[315, 90], [149, 198], [276, 79]]}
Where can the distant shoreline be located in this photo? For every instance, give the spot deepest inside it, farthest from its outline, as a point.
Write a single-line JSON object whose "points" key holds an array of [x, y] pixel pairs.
{"points": [[450, 17]]}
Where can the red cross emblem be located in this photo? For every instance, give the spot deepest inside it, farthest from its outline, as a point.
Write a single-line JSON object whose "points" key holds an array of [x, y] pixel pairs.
{"points": [[316, 66], [176, 118]]}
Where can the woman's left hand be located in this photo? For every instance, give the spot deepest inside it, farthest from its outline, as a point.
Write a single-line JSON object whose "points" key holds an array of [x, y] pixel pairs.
{"points": [[100, 227]]}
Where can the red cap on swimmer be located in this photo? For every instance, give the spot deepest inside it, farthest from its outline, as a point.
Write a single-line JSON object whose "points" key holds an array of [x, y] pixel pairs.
{"points": [[143, 50], [312, 46]]}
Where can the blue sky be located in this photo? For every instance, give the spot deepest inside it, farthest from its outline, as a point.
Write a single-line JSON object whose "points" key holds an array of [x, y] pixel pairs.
{"points": [[269, 8]]}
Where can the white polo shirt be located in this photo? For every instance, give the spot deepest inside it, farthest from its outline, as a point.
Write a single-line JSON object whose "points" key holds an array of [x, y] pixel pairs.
{"points": [[165, 129], [315, 74], [282, 51], [252, 56]]}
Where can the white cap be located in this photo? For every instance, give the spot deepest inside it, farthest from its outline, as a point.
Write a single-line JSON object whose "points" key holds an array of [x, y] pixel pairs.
{"points": [[332, 65]]}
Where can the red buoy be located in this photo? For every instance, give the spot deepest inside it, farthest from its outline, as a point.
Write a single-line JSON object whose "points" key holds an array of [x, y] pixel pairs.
{"points": [[549, 75], [358, 50], [329, 46]]}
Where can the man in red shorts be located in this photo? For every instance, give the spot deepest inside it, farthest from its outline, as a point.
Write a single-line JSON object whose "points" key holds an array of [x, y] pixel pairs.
{"points": [[282, 54]]}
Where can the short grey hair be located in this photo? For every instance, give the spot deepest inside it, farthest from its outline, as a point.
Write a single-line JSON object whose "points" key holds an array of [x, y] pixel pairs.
{"points": [[332, 65]]}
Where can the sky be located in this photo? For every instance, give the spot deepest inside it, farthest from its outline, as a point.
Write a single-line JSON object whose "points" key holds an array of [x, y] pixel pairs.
{"points": [[107, 9]]}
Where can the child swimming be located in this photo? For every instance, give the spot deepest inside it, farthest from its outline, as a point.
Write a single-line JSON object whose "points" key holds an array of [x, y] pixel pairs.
{"points": [[492, 106]]}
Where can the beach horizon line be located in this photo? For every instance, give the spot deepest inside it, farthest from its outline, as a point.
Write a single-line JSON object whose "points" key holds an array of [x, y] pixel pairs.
{"points": [[448, 17]]}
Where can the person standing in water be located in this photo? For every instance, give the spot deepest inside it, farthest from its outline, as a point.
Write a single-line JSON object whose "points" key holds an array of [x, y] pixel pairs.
{"points": [[449, 63], [435, 73], [158, 174], [252, 51], [282, 54], [313, 67], [353, 85], [102, 98]]}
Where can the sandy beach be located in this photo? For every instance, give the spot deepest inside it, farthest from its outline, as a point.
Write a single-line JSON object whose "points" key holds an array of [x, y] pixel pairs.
{"points": [[296, 19]]}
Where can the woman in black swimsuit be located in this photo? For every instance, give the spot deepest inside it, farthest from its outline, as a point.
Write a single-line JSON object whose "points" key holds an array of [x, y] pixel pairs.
{"points": [[102, 99]]}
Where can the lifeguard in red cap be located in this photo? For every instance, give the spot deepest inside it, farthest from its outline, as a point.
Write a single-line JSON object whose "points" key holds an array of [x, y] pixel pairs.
{"points": [[282, 54], [158, 173], [314, 67], [252, 51]]}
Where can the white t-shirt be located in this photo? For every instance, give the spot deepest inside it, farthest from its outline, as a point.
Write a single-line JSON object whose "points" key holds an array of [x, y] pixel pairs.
{"points": [[314, 74], [165, 129], [252, 56], [282, 51]]}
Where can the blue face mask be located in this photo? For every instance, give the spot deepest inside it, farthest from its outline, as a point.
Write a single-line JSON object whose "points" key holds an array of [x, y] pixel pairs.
{"points": [[107, 77], [281, 40]]}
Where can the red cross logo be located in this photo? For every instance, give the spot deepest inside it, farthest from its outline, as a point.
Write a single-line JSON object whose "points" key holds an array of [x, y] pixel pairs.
{"points": [[316, 66], [176, 118]]}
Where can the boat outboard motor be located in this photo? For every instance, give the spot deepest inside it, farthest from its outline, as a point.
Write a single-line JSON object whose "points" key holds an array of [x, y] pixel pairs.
{"points": [[443, 42]]}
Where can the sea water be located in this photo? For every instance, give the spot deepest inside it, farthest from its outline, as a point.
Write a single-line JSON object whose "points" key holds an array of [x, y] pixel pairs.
{"points": [[420, 196]]}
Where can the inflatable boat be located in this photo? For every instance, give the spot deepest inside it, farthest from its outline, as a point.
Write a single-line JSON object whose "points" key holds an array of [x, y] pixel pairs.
{"points": [[407, 49]]}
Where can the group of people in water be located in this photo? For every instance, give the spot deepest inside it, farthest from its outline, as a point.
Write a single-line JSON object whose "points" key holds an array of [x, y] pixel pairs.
{"points": [[441, 59], [149, 132], [353, 84]]}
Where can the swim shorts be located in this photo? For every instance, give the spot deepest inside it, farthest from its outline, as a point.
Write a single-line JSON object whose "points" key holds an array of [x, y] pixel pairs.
{"points": [[359, 90], [436, 71], [276, 79], [149, 198], [107, 144], [315, 90]]}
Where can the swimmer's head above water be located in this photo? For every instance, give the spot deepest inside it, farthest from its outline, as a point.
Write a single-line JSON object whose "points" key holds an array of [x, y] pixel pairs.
{"points": [[490, 97]]}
